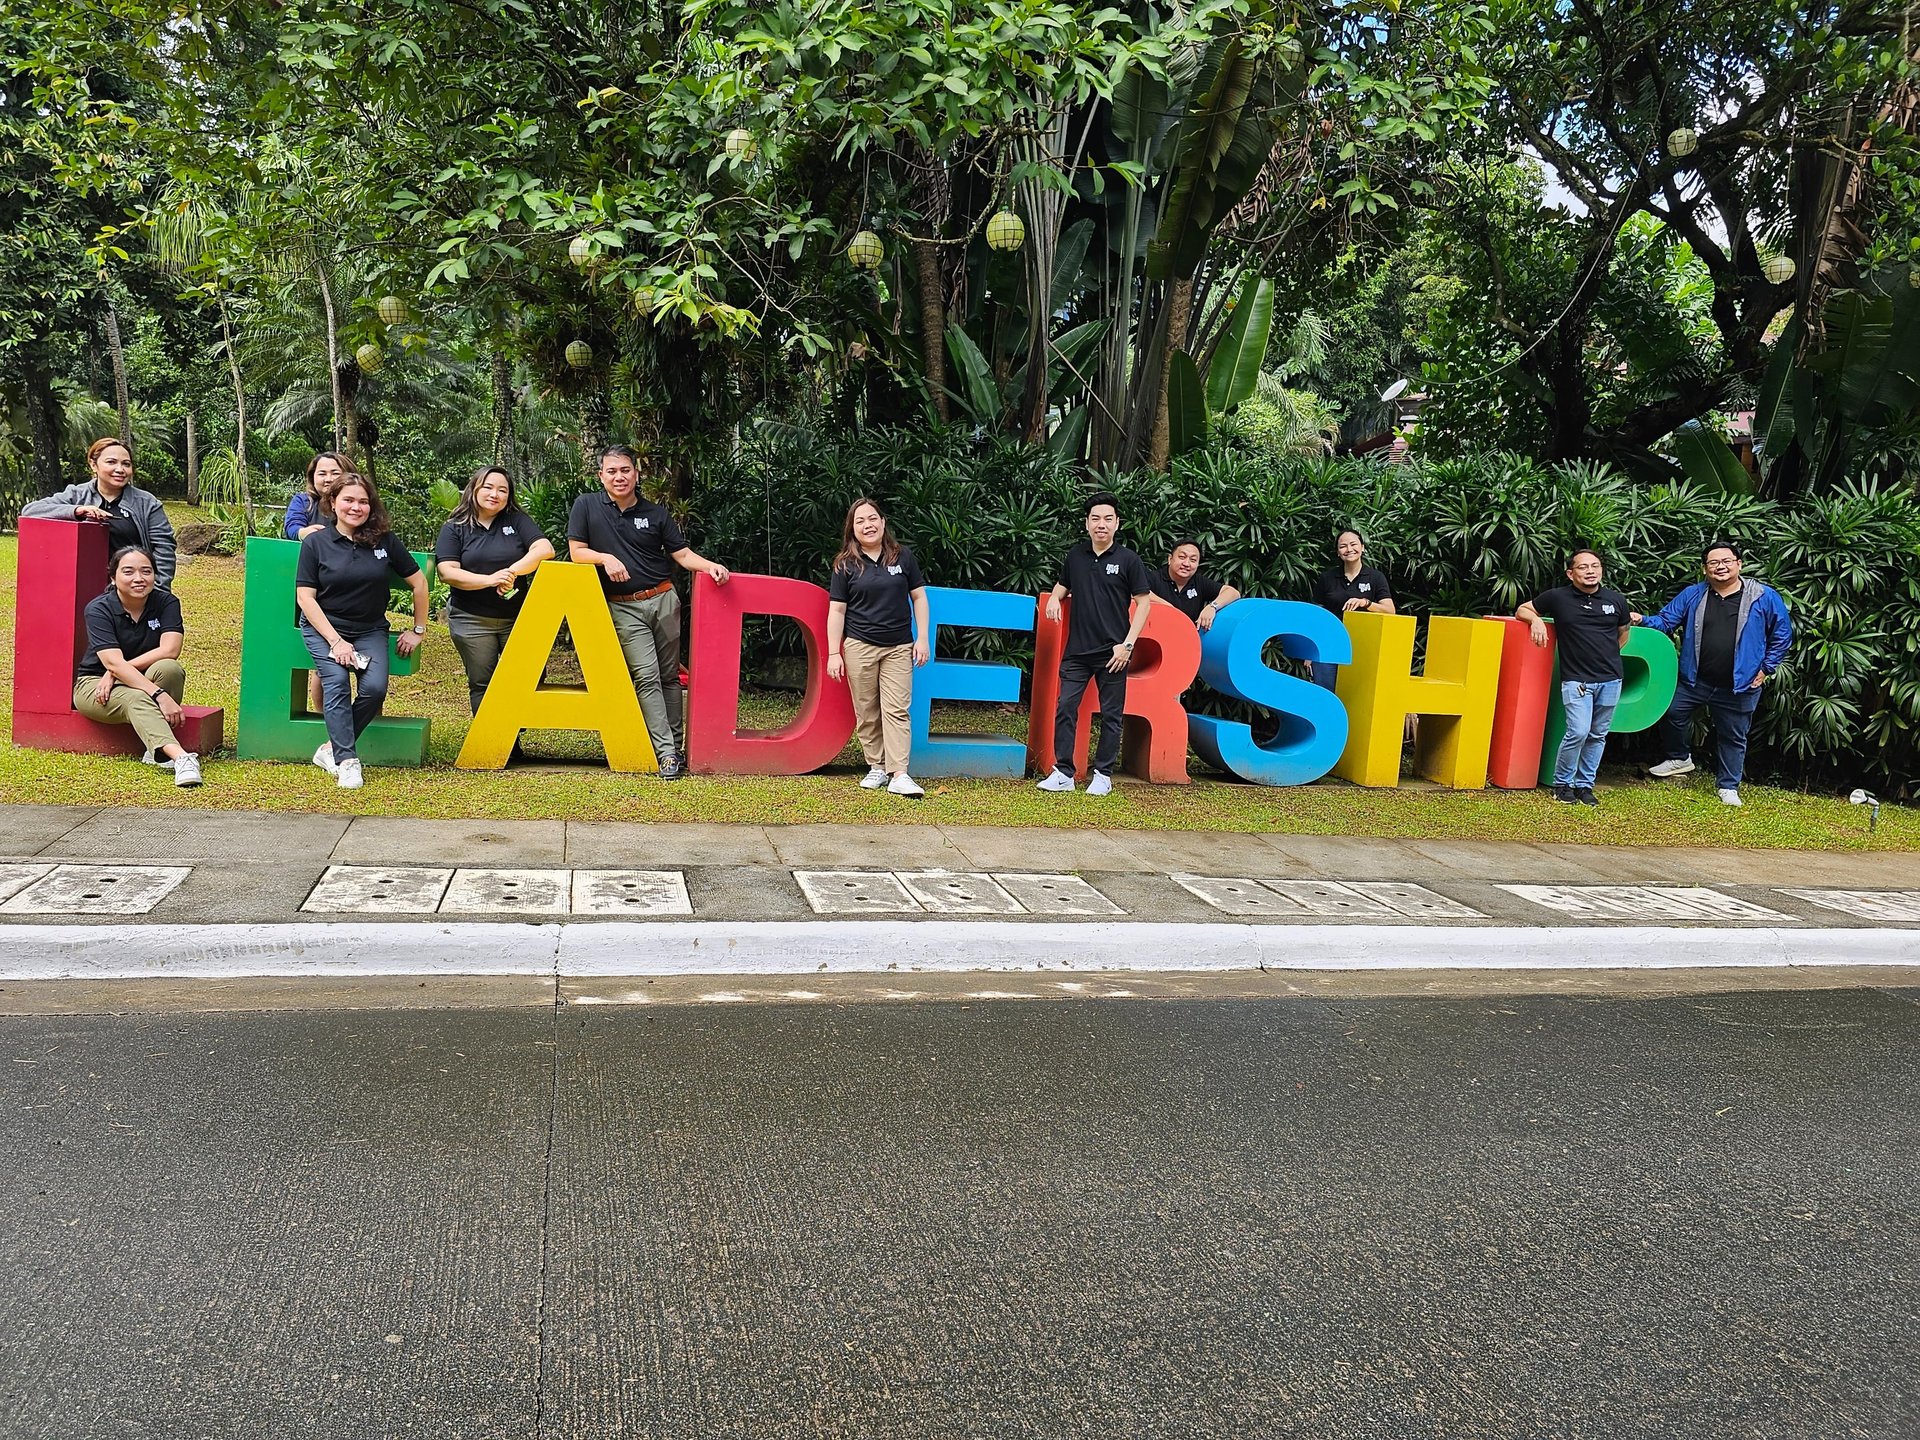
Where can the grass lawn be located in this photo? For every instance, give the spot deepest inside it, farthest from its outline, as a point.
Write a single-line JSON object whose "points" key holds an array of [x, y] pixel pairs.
{"points": [[575, 786]]}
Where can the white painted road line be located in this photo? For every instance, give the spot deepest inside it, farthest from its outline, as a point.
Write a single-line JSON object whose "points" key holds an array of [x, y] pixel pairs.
{"points": [[1896, 905], [97, 890], [1646, 902], [611, 948]]}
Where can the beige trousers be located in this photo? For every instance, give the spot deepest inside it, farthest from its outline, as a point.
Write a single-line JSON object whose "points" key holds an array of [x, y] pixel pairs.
{"points": [[880, 679], [128, 706]]}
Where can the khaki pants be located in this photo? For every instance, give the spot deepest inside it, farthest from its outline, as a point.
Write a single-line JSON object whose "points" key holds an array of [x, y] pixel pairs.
{"points": [[649, 632], [128, 706], [880, 679]]}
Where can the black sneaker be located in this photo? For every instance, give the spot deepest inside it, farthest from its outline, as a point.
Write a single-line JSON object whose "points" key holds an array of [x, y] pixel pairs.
{"points": [[1586, 797], [672, 769], [1566, 794]]}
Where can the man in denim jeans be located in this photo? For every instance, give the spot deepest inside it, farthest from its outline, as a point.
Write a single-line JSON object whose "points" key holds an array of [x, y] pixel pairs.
{"points": [[1590, 623], [1734, 634]]}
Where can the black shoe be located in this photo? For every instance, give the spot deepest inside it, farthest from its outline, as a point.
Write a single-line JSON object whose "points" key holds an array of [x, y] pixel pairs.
{"points": [[672, 769], [1566, 794], [1586, 797]]}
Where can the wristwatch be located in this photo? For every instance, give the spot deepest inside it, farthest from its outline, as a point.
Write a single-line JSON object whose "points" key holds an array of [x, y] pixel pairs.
{"points": [[419, 629]]}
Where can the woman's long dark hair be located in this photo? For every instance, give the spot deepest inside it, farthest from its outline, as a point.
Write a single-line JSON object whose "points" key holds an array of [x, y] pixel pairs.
{"points": [[851, 555], [467, 512], [322, 505], [378, 526]]}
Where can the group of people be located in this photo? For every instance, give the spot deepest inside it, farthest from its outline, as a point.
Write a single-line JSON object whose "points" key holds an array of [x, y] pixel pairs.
{"points": [[1733, 632]]}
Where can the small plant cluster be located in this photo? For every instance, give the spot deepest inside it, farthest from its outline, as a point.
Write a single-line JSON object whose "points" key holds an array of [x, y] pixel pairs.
{"points": [[1461, 536]]}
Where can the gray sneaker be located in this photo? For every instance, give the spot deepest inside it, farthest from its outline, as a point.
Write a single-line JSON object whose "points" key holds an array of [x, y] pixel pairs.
{"points": [[1667, 769], [154, 757], [186, 771]]}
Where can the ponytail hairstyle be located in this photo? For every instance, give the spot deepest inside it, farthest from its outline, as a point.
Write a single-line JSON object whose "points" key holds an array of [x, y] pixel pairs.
{"points": [[851, 556]]}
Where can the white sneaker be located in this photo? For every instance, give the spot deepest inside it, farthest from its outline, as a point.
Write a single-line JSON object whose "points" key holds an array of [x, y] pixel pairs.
{"points": [[874, 778], [349, 774], [1729, 797], [1100, 784], [903, 785], [323, 757], [186, 771], [1667, 769], [1058, 782], [154, 757]]}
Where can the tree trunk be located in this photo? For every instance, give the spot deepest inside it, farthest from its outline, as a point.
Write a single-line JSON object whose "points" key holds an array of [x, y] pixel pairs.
{"points": [[193, 460], [239, 416], [118, 355], [933, 326], [346, 385], [340, 441], [596, 420], [1180, 311], [44, 425], [504, 447]]}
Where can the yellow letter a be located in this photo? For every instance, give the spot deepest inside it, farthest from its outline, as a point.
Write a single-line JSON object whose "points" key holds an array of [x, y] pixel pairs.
{"points": [[516, 700]]}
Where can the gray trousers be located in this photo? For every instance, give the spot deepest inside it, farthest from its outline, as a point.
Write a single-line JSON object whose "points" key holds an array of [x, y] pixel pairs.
{"points": [[479, 639], [649, 632]]}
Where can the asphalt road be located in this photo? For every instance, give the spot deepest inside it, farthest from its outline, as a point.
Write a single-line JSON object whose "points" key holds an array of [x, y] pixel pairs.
{"points": [[1507, 1216]]}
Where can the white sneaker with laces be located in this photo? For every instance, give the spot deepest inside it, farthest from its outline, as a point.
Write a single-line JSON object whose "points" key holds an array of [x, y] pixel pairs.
{"points": [[1667, 769], [874, 778], [323, 757], [154, 757], [186, 771], [349, 775], [1100, 784], [1729, 797], [903, 784], [1058, 782]]}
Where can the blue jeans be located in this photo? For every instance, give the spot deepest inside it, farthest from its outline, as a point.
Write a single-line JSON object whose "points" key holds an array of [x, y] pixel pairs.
{"points": [[1324, 675], [1732, 712], [348, 714], [1589, 710]]}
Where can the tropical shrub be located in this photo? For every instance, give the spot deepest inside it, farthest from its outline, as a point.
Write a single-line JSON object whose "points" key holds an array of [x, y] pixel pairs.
{"points": [[1463, 536]]}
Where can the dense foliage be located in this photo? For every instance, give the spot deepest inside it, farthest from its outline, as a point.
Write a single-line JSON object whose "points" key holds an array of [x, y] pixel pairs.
{"points": [[1459, 536]]}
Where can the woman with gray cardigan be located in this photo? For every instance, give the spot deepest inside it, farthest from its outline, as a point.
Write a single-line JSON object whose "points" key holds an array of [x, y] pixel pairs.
{"points": [[132, 516]]}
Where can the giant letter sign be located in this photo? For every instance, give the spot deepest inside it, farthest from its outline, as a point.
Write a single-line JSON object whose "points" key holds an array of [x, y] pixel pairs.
{"points": [[979, 757], [1313, 726], [1154, 727], [1651, 669], [715, 743], [62, 566], [569, 595], [1454, 696], [274, 721], [1520, 711]]}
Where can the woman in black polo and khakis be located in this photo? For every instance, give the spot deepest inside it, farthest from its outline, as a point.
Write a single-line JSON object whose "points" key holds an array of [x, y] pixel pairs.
{"points": [[876, 596], [131, 672], [486, 548], [346, 573]]}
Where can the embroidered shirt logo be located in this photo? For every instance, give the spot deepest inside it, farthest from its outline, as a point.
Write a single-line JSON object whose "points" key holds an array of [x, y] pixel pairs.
{"points": [[506, 529], [1365, 586], [153, 624], [380, 554], [1192, 594], [1606, 610], [895, 570], [1113, 569], [640, 522]]}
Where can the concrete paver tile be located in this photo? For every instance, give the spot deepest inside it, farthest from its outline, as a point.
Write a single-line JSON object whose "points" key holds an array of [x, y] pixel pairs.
{"points": [[29, 829], [203, 835], [846, 847], [97, 890], [621, 842], [1207, 852], [1347, 857], [1007, 847], [374, 840]]}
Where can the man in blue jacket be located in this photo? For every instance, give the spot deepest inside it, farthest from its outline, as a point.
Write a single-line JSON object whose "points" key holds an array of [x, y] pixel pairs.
{"points": [[1733, 635]]}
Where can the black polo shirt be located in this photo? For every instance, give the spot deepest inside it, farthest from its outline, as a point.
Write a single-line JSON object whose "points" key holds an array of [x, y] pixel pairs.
{"points": [[1586, 630], [1718, 628], [878, 597], [110, 627], [353, 580], [643, 536], [1334, 589], [483, 549], [121, 529], [1102, 587], [1189, 599]]}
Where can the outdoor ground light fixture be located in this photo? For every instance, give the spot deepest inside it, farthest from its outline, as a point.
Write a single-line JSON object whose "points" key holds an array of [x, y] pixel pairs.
{"points": [[1865, 797]]}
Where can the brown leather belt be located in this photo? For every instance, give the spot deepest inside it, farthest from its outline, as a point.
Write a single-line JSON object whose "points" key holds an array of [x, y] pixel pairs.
{"points": [[662, 588]]}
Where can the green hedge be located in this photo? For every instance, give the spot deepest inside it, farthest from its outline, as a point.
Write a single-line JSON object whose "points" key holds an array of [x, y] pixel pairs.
{"points": [[1458, 537]]}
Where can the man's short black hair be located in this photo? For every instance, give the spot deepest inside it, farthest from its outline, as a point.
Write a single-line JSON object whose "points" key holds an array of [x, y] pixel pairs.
{"points": [[1099, 498], [1579, 550], [1186, 540], [1721, 545], [626, 450]]}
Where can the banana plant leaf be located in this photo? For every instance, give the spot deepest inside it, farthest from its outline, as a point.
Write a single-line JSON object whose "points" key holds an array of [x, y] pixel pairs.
{"points": [[1709, 461], [1069, 437], [1773, 425], [1186, 404], [1234, 371], [978, 394]]}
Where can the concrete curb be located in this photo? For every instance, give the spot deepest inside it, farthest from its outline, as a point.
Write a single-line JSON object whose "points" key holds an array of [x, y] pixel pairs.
{"points": [[586, 948]]}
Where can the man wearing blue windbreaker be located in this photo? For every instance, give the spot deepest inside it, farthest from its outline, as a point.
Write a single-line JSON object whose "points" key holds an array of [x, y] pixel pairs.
{"points": [[1733, 635]]}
